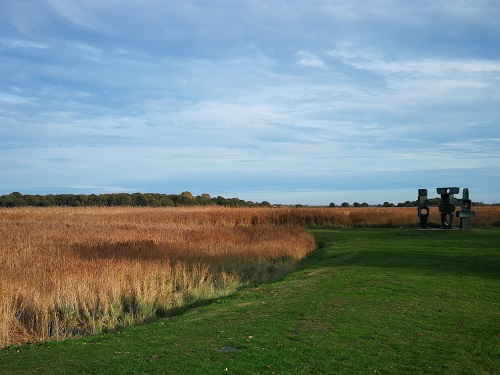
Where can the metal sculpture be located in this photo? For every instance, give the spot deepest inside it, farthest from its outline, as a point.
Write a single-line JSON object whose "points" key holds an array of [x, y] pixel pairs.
{"points": [[446, 208], [466, 212], [423, 208]]}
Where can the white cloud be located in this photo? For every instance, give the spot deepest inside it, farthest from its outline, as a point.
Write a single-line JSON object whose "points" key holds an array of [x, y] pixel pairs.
{"points": [[80, 14], [20, 43], [310, 60]]}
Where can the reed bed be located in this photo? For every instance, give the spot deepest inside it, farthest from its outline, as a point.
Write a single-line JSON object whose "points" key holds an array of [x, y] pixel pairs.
{"points": [[74, 271]]}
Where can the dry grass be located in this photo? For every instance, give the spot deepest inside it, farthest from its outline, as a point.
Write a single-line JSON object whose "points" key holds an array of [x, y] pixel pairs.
{"points": [[71, 271], [349, 217]]}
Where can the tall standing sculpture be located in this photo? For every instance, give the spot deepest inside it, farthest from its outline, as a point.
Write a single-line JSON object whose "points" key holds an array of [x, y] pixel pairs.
{"points": [[423, 208], [466, 212], [447, 206]]}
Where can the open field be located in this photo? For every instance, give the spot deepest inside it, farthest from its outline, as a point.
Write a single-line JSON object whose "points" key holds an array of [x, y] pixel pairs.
{"points": [[74, 271], [367, 301]]}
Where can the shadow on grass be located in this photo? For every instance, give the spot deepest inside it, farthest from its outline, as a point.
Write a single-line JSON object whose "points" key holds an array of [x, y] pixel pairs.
{"points": [[429, 255], [461, 265]]}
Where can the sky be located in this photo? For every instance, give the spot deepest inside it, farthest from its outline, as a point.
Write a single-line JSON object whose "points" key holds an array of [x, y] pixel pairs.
{"points": [[291, 102]]}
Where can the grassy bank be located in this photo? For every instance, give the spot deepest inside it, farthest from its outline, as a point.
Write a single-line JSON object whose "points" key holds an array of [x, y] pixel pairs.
{"points": [[369, 300]]}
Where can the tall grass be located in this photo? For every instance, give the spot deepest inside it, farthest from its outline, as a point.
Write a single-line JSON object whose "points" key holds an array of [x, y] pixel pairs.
{"points": [[350, 217], [72, 271]]}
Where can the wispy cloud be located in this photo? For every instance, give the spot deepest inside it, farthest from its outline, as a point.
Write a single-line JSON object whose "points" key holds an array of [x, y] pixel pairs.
{"points": [[79, 14], [309, 59]]}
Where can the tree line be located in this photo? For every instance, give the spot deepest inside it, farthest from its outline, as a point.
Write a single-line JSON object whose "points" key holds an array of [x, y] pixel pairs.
{"points": [[386, 204], [431, 202], [17, 199]]}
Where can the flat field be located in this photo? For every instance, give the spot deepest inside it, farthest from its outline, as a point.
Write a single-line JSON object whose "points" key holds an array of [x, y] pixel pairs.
{"points": [[366, 301], [78, 271]]}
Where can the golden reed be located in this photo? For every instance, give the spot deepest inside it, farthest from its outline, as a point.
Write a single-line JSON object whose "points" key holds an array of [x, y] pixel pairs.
{"points": [[72, 271]]}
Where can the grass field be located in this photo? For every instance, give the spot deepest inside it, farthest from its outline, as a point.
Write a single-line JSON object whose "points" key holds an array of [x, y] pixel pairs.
{"points": [[367, 301]]}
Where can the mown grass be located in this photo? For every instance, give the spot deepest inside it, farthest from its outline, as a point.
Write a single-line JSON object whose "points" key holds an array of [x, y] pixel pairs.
{"points": [[367, 301]]}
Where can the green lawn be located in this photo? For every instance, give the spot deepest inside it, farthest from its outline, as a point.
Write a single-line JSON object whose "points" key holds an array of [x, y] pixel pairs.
{"points": [[367, 301]]}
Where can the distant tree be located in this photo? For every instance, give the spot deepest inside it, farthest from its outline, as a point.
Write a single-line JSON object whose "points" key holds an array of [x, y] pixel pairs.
{"points": [[406, 204], [219, 200], [204, 199], [332, 205], [7, 201], [187, 194], [151, 200], [364, 204], [387, 204], [356, 204], [188, 199], [165, 200], [33, 200], [235, 202], [140, 199], [90, 200], [20, 202], [123, 199], [83, 200], [43, 201], [345, 204], [51, 200], [14, 199]]}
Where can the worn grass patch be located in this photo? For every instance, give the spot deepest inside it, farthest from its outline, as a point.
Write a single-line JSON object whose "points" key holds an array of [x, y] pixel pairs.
{"points": [[368, 300]]}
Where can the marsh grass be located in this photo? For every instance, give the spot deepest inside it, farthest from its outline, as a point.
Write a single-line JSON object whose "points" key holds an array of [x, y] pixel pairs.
{"points": [[71, 271]]}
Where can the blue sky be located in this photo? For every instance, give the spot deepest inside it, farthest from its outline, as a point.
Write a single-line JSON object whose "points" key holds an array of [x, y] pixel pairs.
{"points": [[306, 102]]}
